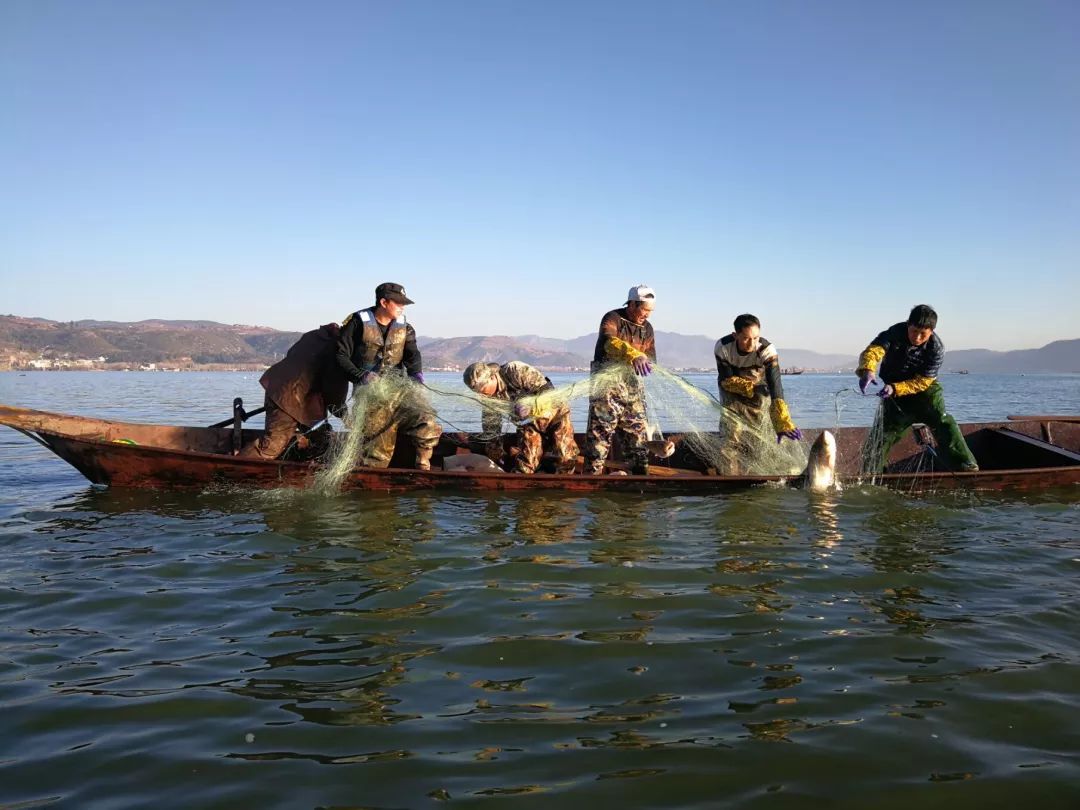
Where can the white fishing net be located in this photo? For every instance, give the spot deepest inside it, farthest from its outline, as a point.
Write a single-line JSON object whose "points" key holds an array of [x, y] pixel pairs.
{"points": [[723, 440]]}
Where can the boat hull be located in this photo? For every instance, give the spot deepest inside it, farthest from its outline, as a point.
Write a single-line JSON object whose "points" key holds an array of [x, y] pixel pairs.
{"points": [[1015, 456]]}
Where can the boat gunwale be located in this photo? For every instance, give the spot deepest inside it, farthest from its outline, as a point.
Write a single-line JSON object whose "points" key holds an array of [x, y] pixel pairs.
{"points": [[656, 482], [300, 466]]}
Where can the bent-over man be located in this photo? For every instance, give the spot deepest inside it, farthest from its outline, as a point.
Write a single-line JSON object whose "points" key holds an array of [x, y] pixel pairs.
{"points": [[301, 389], [542, 422]]}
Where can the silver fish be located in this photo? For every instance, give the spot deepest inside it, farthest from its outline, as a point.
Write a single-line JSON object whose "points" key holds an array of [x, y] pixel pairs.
{"points": [[821, 466], [661, 448], [470, 462]]}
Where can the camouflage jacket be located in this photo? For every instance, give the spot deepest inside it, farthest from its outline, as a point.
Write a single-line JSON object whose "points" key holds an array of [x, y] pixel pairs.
{"points": [[514, 381]]}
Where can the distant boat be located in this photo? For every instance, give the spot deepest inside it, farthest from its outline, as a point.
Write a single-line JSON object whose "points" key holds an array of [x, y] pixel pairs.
{"points": [[961, 371], [792, 371]]}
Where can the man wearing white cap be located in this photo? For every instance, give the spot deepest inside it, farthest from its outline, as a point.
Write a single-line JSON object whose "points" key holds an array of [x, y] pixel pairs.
{"points": [[625, 351]]}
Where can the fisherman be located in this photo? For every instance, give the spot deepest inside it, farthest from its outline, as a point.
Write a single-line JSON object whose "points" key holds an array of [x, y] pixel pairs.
{"points": [[748, 374], [541, 419], [376, 350], [300, 389], [911, 355], [625, 351]]}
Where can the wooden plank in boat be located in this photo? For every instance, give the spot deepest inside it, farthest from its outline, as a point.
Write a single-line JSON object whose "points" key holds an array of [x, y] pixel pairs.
{"points": [[1021, 418]]}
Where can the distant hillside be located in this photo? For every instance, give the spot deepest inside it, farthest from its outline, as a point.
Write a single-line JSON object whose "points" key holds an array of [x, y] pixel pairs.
{"points": [[144, 342], [1061, 356], [459, 352], [200, 343]]}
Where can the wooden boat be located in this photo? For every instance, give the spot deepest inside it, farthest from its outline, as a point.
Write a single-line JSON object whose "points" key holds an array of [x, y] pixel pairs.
{"points": [[1026, 453]]}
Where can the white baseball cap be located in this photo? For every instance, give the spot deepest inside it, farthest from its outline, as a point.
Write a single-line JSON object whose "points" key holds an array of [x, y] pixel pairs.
{"points": [[641, 292]]}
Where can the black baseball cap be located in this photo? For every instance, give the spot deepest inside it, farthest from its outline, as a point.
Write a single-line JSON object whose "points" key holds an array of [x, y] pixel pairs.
{"points": [[395, 292]]}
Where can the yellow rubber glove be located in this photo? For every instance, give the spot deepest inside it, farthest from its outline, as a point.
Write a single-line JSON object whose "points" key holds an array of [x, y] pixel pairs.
{"points": [[781, 418], [621, 350], [741, 386], [870, 357], [916, 385]]}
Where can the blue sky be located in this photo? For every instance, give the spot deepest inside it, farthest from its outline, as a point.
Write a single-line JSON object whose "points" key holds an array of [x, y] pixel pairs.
{"points": [[518, 165]]}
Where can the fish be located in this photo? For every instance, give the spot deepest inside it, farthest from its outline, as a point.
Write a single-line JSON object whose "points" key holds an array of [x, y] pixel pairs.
{"points": [[821, 465], [661, 448], [471, 462]]}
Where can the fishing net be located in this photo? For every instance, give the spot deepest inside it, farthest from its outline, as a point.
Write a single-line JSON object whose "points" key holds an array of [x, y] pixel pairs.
{"points": [[728, 440], [376, 411], [873, 455], [733, 440]]}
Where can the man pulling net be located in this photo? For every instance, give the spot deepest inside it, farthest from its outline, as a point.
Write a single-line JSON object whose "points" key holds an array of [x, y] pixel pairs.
{"points": [[748, 375], [625, 351], [532, 404], [377, 351]]}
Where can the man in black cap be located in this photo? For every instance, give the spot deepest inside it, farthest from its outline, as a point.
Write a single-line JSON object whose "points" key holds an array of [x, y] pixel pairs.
{"points": [[376, 349]]}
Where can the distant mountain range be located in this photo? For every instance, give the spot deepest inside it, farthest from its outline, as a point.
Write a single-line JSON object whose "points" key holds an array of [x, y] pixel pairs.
{"points": [[180, 343], [1061, 356], [673, 350], [193, 344]]}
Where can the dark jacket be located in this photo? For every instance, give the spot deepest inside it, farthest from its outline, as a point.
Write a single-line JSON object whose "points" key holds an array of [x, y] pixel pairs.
{"points": [[615, 324], [903, 361], [308, 381], [351, 350]]}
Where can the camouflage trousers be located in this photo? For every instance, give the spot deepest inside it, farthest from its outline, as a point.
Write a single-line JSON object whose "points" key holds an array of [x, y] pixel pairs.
{"points": [[555, 434], [746, 431], [617, 410], [388, 413]]}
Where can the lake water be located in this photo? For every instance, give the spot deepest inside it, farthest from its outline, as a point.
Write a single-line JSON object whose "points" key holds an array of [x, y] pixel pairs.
{"points": [[768, 649]]}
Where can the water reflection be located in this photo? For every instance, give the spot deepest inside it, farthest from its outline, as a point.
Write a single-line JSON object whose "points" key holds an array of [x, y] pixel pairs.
{"points": [[544, 520], [752, 518], [903, 606], [912, 536], [352, 683], [369, 524], [511, 524], [822, 508], [618, 530], [94, 507], [353, 585], [752, 530]]}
